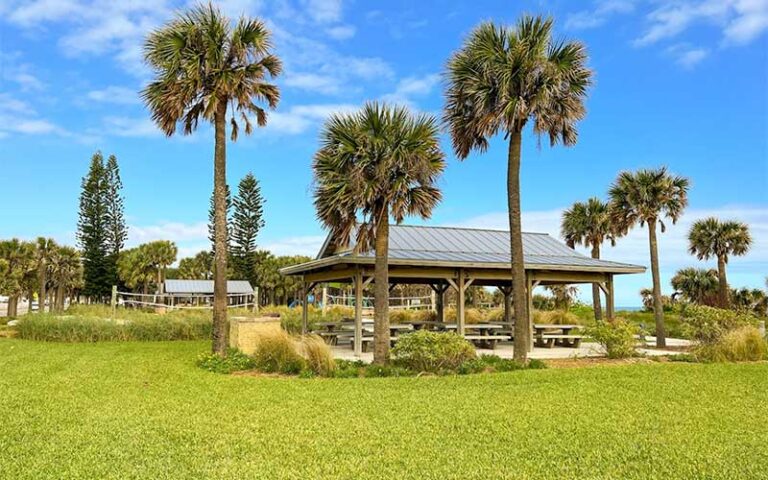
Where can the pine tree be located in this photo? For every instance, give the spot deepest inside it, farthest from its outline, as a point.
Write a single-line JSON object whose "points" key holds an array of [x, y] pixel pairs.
{"points": [[116, 232], [247, 221], [92, 230], [211, 229]]}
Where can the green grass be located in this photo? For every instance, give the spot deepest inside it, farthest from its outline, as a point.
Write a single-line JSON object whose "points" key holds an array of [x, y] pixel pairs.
{"points": [[144, 410]]}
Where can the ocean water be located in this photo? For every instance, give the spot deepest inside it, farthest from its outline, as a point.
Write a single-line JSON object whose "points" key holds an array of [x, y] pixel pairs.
{"points": [[628, 309]]}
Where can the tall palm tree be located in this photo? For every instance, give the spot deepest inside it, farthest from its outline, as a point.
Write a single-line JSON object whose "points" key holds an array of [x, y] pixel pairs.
{"points": [[380, 162], [711, 237], [698, 285], [19, 258], [206, 68], [646, 197], [45, 249], [500, 80], [160, 255], [589, 224]]}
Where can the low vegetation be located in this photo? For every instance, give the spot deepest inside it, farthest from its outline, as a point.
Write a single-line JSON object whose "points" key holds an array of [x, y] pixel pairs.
{"points": [[432, 352], [724, 335], [618, 338]]}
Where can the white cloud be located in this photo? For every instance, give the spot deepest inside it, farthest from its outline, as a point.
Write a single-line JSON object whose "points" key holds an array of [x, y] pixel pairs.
{"points": [[14, 70], [131, 127], [300, 118], [341, 32], [687, 56], [740, 21], [18, 117], [410, 87], [323, 11], [115, 94], [173, 231], [603, 10], [305, 245], [673, 246], [313, 82]]}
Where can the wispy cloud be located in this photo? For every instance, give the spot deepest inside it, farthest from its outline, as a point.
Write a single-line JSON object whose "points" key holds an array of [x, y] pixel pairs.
{"points": [[115, 94], [341, 32], [597, 16], [413, 87], [18, 117], [686, 55], [300, 118]]}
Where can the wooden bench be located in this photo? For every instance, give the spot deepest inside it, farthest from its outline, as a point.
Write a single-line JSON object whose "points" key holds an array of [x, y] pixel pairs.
{"points": [[366, 341], [549, 340], [487, 340], [331, 338]]}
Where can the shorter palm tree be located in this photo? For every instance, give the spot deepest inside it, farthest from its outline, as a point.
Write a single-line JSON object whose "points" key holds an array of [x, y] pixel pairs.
{"points": [[697, 285], [45, 249], [711, 237], [66, 275], [646, 197], [589, 224], [380, 162]]}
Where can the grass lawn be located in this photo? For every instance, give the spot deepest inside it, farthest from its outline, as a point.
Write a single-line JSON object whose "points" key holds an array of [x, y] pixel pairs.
{"points": [[143, 410]]}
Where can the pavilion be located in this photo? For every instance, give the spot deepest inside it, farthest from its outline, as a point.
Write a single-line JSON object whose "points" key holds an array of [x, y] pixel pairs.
{"points": [[449, 257]]}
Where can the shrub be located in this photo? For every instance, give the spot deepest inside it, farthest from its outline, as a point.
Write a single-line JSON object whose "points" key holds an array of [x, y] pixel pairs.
{"points": [[277, 352], [425, 315], [617, 337], [401, 316], [707, 325], [318, 355], [234, 361], [495, 315], [80, 325], [743, 344], [425, 351], [559, 317]]}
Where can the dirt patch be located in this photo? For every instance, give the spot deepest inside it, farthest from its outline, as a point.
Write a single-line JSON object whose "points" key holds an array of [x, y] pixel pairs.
{"points": [[596, 362], [7, 332]]}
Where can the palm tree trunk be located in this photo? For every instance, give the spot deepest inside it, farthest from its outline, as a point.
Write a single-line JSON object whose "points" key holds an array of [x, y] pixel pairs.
{"points": [[381, 291], [722, 293], [59, 299], [41, 293], [13, 301], [220, 326], [519, 295], [658, 306], [595, 289]]}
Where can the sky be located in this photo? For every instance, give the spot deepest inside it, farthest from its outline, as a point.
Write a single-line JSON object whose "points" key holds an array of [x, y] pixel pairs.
{"points": [[681, 84]]}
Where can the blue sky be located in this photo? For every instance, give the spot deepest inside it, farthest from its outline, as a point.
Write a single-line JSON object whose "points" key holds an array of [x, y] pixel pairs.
{"points": [[682, 84]]}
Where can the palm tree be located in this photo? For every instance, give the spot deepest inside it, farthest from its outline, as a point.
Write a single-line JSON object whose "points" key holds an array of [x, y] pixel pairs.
{"points": [[160, 255], [380, 162], [19, 260], [646, 197], [589, 224], [712, 238], [45, 249], [66, 274], [750, 300], [697, 285], [501, 79], [563, 295], [204, 66]]}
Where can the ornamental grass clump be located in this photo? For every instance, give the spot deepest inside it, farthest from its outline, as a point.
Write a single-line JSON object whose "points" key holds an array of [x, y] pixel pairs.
{"points": [[743, 344], [277, 352], [432, 352], [618, 338], [318, 355]]}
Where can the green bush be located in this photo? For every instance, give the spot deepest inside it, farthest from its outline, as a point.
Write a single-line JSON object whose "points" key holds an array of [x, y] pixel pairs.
{"points": [[707, 325], [617, 337], [425, 351], [559, 317], [234, 361], [277, 352], [743, 344]]}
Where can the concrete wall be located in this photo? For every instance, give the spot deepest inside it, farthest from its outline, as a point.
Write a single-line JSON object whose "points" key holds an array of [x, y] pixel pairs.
{"points": [[244, 333]]}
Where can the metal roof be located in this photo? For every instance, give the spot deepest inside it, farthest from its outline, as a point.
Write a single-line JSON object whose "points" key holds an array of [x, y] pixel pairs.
{"points": [[420, 245], [206, 286]]}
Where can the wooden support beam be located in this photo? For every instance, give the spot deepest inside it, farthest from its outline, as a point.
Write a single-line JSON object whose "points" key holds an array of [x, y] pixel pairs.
{"points": [[609, 299], [304, 309], [358, 314], [507, 291], [531, 284], [460, 303]]}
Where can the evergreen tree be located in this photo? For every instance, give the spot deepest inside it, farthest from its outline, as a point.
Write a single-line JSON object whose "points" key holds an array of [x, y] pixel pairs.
{"points": [[247, 221], [92, 230], [116, 232], [211, 226]]}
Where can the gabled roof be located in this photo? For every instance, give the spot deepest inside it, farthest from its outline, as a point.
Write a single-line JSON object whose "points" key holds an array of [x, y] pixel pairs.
{"points": [[204, 287], [463, 247]]}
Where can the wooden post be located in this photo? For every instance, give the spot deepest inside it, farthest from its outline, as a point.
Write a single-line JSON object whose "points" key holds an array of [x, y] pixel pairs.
{"points": [[529, 298], [609, 300], [358, 283], [507, 291], [460, 304], [325, 299], [438, 294], [113, 303], [304, 308], [433, 305], [256, 300]]}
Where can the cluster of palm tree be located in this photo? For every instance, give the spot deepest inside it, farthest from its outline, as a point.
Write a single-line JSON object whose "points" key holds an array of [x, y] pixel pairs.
{"points": [[381, 163], [646, 197], [143, 268], [53, 272]]}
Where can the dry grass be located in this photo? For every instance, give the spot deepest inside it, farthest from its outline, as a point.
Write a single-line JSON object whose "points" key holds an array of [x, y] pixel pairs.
{"points": [[744, 344], [318, 355]]}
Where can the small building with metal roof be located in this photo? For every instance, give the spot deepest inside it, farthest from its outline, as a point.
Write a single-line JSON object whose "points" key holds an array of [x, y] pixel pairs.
{"points": [[444, 257], [205, 287]]}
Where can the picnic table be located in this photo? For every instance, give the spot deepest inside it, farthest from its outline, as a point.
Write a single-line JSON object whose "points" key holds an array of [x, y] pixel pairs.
{"points": [[486, 335], [549, 334]]}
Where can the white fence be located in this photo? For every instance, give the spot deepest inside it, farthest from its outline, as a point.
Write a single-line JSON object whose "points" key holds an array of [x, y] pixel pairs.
{"points": [[181, 301]]}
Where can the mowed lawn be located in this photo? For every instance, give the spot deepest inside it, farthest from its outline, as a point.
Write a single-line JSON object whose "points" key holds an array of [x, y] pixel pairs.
{"points": [[144, 410]]}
